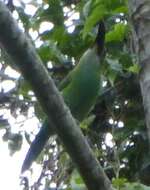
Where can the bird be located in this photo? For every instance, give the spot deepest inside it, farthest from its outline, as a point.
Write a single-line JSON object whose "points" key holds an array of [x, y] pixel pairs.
{"points": [[80, 90]]}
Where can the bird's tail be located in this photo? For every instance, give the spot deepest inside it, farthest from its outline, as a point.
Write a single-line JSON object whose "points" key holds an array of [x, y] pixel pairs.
{"points": [[36, 146]]}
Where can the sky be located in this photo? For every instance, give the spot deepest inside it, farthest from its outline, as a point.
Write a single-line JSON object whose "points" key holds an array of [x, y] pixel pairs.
{"points": [[10, 167]]}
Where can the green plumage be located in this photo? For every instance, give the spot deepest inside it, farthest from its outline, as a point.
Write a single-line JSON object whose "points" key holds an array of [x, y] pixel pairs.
{"points": [[81, 93], [79, 90]]}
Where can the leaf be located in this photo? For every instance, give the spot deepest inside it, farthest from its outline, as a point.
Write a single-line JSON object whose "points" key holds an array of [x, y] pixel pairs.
{"points": [[86, 8], [119, 182], [118, 33], [3, 123], [121, 9], [114, 64], [135, 68], [23, 17], [86, 122], [77, 182], [15, 143], [112, 77], [24, 89], [96, 15], [50, 52]]}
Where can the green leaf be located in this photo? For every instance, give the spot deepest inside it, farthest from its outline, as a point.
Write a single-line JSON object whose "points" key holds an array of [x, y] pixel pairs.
{"points": [[25, 87], [119, 182], [86, 8], [112, 77], [86, 122], [3, 123], [23, 17], [77, 182], [114, 64], [118, 33], [50, 52], [135, 68], [121, 9], [96, 15]]}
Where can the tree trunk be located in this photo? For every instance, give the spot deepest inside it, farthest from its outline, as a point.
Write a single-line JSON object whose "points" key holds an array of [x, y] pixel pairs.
{"points": [[140, 18]]}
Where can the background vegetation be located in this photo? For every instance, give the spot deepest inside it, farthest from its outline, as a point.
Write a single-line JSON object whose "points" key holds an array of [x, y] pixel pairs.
{"points": [[61, 31]]}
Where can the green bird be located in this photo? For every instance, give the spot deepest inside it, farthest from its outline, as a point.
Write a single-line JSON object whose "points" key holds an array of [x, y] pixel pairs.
{"points": [[79, 89]]}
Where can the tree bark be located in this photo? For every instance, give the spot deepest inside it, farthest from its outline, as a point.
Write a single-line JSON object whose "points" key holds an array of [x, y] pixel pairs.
{"points": [[140, 18], [24, 55]]}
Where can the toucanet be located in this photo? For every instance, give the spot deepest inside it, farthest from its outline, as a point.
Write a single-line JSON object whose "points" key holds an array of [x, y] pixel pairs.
{"points": [[79, 89]]}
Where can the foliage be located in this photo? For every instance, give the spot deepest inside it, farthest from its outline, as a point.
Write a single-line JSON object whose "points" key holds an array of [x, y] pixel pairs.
{"points": [[115, 128]]}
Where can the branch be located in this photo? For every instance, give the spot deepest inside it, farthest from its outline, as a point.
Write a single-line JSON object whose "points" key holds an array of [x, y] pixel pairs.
{"points": [[24, 55]]}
